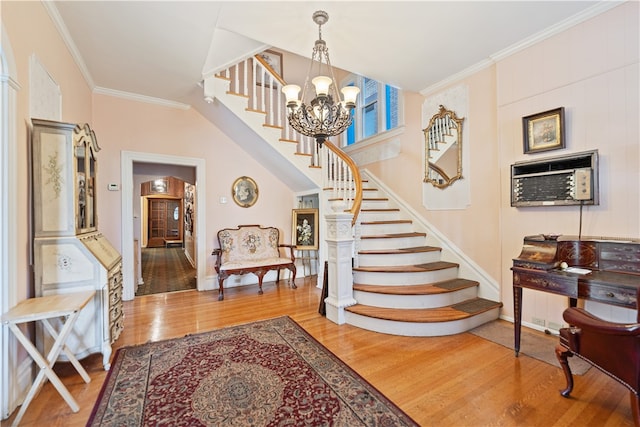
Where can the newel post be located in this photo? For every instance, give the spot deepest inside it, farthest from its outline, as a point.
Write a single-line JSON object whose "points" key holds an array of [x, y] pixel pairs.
{"points": [[340, 278]]}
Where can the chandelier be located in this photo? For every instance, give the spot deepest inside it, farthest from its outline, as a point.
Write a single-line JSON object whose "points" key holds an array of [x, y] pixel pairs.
{"points": [[324, 115]]}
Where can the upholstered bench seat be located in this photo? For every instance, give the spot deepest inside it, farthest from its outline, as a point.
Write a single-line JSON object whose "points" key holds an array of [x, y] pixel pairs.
{"points": [[251, 249], [258, 263]]}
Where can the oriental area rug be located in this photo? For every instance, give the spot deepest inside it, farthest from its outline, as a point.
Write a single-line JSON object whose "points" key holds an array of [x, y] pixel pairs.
{"points": [[266, 373]]}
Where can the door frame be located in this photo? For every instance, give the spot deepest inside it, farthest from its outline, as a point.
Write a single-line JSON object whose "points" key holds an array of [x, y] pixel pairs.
{"points": [[127, 159]]}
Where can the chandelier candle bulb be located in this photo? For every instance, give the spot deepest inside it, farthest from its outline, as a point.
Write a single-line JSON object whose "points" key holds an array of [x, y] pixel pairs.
{"points": [[350, 94], [291, 94], [322, 84]]}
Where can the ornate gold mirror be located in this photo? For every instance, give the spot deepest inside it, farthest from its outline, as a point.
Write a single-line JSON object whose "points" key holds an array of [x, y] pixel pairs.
{"points": [[443, 144]]}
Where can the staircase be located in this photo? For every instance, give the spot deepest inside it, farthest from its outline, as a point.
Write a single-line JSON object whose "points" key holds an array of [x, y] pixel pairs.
{"points": [[407, 279], [402, 284]]}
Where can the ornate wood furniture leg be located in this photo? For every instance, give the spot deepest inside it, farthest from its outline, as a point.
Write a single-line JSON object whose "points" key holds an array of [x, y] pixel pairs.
{"points": [[292, 280], [613, 348], [221, 278], [562, 354]]}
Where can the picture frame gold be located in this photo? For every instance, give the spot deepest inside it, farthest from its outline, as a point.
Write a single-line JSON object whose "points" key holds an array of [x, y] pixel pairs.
{"points": [[304, 229], [244, 192], [544, 131]]}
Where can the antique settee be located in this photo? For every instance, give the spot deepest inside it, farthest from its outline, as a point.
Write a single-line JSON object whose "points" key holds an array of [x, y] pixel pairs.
{"points": [[252, 249]]}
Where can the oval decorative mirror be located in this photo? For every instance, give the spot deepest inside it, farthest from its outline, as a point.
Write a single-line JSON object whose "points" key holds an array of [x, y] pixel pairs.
{"points": [[443, 142]]}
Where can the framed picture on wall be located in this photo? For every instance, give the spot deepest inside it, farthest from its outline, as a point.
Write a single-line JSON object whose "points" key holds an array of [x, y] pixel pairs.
{"points": [[304, 229], [544, 131], [273, 60], [244, 191]]}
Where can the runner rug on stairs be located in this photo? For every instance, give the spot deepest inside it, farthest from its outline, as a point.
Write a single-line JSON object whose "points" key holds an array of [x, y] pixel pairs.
{"points": [[532, 343], [266, 373], [165, 270]]}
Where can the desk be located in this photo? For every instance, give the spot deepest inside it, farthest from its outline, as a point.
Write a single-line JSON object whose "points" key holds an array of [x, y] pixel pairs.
{"points": [[614, 280], [43, 309]]}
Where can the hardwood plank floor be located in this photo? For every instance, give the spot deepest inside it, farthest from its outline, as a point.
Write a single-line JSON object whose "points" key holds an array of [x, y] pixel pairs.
{"points": [[460, 380]]}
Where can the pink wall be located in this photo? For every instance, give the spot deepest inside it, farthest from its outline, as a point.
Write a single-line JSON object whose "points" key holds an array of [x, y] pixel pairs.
{"points": [[592, 71], [140, 127], [476, 228]]}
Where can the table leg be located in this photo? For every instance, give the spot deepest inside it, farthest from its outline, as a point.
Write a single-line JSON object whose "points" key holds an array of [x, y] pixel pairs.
{"points": [[517, 317], [45, 366], [85, 376]]}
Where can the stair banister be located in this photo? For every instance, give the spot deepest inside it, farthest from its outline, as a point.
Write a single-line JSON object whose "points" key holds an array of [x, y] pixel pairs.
{"points": [[352, 180]]}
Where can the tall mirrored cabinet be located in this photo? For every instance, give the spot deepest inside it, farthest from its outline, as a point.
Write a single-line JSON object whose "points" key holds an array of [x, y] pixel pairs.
{"points": [[70, 254]]}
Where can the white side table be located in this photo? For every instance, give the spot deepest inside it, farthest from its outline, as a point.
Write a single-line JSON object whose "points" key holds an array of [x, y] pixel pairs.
{"points": [[43, 309]]}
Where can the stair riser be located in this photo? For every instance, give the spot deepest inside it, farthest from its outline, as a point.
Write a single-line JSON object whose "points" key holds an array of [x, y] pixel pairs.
{"points": [[379, 216], [410, 329], [370, 194], [414, 301], [375, 204], [374, 229], [391, 243], [417, 278], [398, 259]]}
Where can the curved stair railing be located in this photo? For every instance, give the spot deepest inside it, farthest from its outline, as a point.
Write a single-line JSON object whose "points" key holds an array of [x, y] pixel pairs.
{"points": [[342, 176]]}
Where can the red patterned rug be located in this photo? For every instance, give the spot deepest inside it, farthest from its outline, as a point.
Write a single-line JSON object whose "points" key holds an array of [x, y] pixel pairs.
{"points": [[267, 373]]}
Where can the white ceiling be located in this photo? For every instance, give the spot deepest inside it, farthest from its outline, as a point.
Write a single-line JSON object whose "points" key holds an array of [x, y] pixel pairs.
{"points": [[161, 49]]}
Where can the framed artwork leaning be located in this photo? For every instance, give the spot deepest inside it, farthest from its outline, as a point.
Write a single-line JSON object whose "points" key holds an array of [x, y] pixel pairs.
{"points": [[543, 131], [304, 229]]}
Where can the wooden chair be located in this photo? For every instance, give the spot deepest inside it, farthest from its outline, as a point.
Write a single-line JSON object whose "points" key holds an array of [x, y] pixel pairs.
{"points": [[613, 348]]}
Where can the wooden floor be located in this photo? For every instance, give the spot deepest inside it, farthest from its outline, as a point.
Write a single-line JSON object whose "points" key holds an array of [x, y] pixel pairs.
{"points": [[460, 380]]}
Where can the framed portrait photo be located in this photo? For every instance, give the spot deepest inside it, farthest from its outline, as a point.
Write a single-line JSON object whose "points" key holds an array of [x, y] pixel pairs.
{"points": [[245, 192], [304, 229], [544, 131]]}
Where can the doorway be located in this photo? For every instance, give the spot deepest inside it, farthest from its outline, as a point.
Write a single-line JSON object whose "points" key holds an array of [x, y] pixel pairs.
{"points": [[129, 217]]}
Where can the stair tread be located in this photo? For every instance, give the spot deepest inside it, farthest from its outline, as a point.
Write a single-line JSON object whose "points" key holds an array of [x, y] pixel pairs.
{"points": [[394, 235], [423, 289], [379, 210], [429, 266], [416, 249], [458, 311]]}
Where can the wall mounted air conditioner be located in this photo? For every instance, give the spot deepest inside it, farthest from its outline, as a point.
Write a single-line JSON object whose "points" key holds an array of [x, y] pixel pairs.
{"points": [[571, 179]]}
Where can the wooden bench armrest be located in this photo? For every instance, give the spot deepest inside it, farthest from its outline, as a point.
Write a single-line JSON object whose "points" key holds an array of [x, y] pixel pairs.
{"points": [[292, 253], [217, 252]]}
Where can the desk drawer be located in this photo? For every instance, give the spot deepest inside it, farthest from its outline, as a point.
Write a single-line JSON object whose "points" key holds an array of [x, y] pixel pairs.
{"points": [[563, 285], [621, 257], [609, 295]]}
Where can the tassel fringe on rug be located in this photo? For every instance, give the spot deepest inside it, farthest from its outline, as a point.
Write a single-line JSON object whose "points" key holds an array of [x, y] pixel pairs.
{"points": [[267, 373]]}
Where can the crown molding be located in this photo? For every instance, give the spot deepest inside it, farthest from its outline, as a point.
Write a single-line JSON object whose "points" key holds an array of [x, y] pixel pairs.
{"points": [[66, 37], [578, 18], [140, 98]]}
